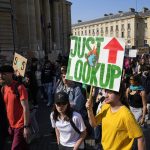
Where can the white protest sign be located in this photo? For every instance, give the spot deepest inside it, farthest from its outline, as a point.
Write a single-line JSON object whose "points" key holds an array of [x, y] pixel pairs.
{"points": [[132, 52], [96, 61]]}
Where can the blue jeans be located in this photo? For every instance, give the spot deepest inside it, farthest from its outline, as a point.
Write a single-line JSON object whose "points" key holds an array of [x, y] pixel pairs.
{"points": [[48, 90]]}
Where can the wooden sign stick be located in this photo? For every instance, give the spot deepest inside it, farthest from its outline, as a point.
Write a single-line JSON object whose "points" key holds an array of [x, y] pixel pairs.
{"points": [[90, 96]]}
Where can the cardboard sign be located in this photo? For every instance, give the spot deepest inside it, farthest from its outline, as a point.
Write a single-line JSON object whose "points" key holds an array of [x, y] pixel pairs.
{"points": [[19, 64], [132, 52], [96, 61]]}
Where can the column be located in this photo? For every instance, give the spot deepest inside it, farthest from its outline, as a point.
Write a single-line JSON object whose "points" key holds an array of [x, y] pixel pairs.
{"points": [[57, 23], [47, 25], [38, 27]]}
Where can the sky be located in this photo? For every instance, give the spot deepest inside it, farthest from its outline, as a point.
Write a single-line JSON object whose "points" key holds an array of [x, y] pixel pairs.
{"points": [[86, 10]]}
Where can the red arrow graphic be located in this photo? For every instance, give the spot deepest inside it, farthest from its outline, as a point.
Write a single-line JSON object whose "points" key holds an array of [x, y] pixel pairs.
{"points": [[113, 46]]}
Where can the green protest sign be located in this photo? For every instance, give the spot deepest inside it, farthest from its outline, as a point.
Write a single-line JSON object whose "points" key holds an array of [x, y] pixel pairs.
{"points": [[96, 61]]}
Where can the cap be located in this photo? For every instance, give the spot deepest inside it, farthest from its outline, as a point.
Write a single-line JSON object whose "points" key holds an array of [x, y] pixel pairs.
{"points": [[61, 97], [6, 68]]}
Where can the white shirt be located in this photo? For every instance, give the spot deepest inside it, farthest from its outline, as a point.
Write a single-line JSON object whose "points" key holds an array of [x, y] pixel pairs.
{"points": [[68, 136]]}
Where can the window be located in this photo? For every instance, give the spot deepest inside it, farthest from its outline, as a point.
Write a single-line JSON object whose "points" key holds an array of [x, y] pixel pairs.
{"points": [[137, 25], [81, 32], [122, 34], [101, 30], [116, 27], [85, 32], [145, 42], [129, 26], [145, 25], [111, 28], [136, 43], [129, 42], [97, 32], [106, 29], [128, 34]]}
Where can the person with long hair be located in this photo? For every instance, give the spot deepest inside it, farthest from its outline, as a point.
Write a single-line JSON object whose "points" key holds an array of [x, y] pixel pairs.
{"points": [[137, 98], [62, 118], [119, 127]]}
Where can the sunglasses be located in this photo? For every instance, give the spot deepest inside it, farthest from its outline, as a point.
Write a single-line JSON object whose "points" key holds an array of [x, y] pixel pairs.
{"points": [[61, 104], [132, 79]]}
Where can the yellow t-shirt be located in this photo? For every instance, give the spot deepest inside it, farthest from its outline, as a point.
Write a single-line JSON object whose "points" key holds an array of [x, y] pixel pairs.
{"points": [[118, 128]]}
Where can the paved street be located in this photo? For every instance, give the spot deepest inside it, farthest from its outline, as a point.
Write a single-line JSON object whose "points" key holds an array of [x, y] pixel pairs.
{"points": [[46, 139]]}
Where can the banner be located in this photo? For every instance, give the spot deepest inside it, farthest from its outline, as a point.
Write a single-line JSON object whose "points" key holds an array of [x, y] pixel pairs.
{"points": [[96, 61], [19, 64]]}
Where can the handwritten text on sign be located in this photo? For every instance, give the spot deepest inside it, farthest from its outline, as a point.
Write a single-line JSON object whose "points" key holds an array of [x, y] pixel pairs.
{"points": [[96, 61], [19, 64]]}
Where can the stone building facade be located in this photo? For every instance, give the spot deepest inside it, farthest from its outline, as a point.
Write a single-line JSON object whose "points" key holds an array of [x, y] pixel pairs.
{"points": [[35, 28], [133, 26]]}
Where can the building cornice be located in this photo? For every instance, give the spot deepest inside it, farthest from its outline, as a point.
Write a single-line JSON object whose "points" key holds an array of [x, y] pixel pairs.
{"points": [[110, 18]]}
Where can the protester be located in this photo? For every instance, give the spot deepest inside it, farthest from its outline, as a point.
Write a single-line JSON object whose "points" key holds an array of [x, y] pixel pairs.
{"points": [[76, 97], [33, 85], [59, 82], [119, 127], [47, 81], [142, 66], [67, 137], [3, 119], [127, 71], [38, 73], [16, 102], [137, 98], [146, 84]]}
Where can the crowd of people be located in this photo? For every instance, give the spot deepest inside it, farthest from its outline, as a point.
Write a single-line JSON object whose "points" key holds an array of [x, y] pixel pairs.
{"points": [[107, 116]]}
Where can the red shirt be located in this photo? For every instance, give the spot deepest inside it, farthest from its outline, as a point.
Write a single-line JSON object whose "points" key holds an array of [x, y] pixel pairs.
{"points": [[13, 104]]}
